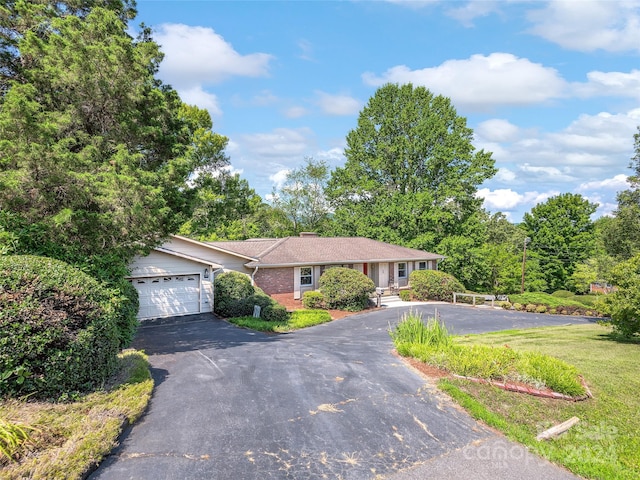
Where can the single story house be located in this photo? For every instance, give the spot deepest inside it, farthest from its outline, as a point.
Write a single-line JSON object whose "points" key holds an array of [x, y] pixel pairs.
{"points": [[177, 278]]}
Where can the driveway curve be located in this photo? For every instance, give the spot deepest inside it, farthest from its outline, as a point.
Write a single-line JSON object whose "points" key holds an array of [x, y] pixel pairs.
{"points": [[326, 402]]}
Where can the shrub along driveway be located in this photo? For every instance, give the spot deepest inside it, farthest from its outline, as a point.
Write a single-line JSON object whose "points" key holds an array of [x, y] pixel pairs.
{"points": [[330, 401]]}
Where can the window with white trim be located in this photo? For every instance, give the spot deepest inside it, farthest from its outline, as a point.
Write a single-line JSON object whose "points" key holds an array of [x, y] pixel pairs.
{"points": [[306, 276], [422, 265], [402, 270]]}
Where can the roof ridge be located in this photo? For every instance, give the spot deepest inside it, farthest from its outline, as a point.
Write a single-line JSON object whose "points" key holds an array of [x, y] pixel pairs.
{"points": [[270, 248]]}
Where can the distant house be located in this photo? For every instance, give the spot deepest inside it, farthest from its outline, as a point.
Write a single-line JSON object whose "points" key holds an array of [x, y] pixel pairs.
{"points": [[601, 287], [177, 278]]}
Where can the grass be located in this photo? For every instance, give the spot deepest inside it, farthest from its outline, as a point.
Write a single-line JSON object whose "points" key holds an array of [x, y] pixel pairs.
{"points": [[432, 344], [538, 298], [606, 442], [297, 320], [67, 439]]}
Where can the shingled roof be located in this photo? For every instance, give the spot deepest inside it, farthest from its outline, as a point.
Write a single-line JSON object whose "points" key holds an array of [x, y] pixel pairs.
{"points": [[311, 250]]}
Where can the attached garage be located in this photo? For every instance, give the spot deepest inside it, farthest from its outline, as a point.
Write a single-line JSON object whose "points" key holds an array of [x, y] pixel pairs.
{"points": [[172, 284], [168, 295]]}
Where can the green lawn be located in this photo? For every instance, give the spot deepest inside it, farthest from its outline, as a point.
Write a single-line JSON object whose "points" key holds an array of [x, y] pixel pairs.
{"points": [[606, 442], [297, 320]]}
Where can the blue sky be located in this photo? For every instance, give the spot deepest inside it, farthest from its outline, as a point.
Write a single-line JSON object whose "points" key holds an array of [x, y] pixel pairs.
{"points": [[552, 88]]}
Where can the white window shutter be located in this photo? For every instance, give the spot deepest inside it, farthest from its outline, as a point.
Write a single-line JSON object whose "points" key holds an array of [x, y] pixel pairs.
{"points": [[296, 283]]}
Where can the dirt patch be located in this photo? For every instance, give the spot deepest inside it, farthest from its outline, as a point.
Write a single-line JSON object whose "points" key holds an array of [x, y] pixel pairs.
{"points": [[290, 304]]}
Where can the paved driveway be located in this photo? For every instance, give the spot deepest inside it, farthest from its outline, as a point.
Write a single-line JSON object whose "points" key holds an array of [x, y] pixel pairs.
{"points": [[327, 402]]}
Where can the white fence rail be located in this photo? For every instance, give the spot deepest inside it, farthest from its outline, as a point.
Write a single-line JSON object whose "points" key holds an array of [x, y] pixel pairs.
{"points": [[485, 298]]}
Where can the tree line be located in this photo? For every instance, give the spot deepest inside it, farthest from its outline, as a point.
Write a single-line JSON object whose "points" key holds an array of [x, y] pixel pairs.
{"points": [[101, 161]]}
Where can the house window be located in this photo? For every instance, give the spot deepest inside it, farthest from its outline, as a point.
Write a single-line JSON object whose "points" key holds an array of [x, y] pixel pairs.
{"points": [[422, 265], [306, 276], [402, 270]]}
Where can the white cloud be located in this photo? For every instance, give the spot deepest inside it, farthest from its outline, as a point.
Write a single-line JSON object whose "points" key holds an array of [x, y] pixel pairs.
{"points": [[197, 96], [505, 175], [472, 10], [295, 112], [279, 177], [337, 104], [414, 4], [198, 55], [264, 98], [616, 183], [550, 174], [508, 199], [279, 143], [306, 50], [589, 25], [618, 84], [482, 82], [231, 170], [497, 130], [332, 155]]}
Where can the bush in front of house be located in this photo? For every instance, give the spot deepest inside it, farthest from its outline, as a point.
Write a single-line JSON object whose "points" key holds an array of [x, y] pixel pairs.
{"points": [[230, 289], [313, 300], [236, 297], [275, 313], [434, 285], [405, 295], [58, 328], [346, 289]]}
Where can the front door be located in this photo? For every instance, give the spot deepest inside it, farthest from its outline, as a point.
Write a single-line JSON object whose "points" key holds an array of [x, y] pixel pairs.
{"points": [[373, 274]]}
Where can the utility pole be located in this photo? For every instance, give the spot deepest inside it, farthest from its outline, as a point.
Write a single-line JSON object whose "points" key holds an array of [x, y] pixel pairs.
{"points": [[524, 261]]}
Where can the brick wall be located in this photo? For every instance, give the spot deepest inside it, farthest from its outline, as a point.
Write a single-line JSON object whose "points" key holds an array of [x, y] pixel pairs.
{"points": [[275, 280]]}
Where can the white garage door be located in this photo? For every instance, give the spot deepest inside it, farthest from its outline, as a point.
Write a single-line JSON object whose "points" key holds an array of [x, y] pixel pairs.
{"points": [[168, 296]]}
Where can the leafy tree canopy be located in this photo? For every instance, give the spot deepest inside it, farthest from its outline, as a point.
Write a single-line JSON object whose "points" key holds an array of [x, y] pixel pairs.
{"points": [[622, 235], [411, 172], [562, 235], [302, 199], [225, 208], [94, 151]]}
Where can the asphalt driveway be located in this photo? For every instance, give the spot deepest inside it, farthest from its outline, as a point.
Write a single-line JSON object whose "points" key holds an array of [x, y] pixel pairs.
{"points": [[327, 402]]}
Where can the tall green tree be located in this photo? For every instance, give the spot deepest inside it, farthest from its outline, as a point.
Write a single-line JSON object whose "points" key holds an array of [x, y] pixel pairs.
{"points": [[302, 197], [622, 237], [501, 257], [95, 152], [34, 17], [411, 172], [225, 208], [562, 235]]}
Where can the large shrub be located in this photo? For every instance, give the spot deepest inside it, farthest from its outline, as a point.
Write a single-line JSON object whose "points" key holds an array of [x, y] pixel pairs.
{"points": [[236, 297], [58, 328], [346, 289], [434, 285], [230, 288]]}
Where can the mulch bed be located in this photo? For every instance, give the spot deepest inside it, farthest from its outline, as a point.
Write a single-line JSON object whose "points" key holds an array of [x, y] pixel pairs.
{"points": [[290, 304]]}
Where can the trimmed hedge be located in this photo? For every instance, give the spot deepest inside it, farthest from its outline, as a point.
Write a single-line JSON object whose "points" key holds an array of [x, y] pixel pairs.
{"points": [[58, 328], [434, 285], [346, 289]]}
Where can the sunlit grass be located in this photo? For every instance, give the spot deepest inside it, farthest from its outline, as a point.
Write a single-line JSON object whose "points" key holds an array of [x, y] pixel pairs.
{"points": [[297, 320], [606, 442], [67, 439]]}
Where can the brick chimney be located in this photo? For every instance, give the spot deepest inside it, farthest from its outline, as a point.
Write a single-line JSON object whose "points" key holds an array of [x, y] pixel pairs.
{"points": [[308, 234]]}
